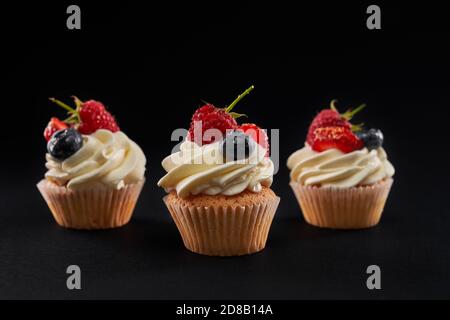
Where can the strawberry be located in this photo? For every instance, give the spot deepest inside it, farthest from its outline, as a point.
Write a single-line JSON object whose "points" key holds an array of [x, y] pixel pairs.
{"points": [[88, 116], [258, 134], [211, 117], [54, 125], [335, 137], [332, 118]]}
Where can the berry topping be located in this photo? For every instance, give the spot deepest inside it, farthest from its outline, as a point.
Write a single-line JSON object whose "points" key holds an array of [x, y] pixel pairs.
{"points": [[258, 134], [372, 138], [54, 125], [237, 146], [332, 118], [94, 116], [210, 117], [335, 137], [64, 143], [88, 116]]}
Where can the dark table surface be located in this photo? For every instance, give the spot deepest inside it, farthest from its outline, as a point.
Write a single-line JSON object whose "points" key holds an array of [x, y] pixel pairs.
{"points": [[147, 260]]}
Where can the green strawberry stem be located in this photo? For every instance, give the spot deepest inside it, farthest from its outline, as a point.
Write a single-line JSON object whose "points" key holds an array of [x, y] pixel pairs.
{"points": [[357, 127], [239, 98], [73, 119], [236, 115], [74, 114], [332, 106], [351, 113], [63, 105], [78, 103]]}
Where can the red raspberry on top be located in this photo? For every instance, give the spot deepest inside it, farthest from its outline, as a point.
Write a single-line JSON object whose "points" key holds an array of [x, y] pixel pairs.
{"points": [[332, 118], [210, 117], [94, 116], [87, 117], [336, 137]]}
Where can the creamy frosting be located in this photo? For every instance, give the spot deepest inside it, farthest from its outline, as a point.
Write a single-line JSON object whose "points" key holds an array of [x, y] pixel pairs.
{"points": [[106, 158], [201, 170], [335, 168]]}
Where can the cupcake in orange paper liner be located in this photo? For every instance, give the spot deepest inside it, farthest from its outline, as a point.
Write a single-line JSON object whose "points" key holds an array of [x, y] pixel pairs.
{"points": [[342, 176], [95, 172], [219, 184]]}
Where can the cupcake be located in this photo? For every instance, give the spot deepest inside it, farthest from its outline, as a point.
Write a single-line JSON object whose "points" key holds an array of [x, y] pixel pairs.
{"points": [[341, 177], [218, 184], [95, 172]]}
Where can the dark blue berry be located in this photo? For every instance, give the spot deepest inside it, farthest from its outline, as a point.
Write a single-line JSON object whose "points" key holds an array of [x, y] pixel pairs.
{"points": [[372, 138], [64, 143], [237, 146]]}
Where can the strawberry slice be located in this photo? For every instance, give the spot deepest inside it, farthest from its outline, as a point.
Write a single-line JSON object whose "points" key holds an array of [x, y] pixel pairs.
{"points": [[258, 134], [335, 138], [54, 125]]}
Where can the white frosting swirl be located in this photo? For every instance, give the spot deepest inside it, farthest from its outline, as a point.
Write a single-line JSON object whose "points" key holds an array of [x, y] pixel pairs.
{"points": [[335, 168], [195, 170], [106, 158]]}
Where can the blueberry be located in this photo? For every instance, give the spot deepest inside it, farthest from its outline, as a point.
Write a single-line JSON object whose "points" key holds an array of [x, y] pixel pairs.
{"points": [[237, 146], [64, 143], [372, 138]]}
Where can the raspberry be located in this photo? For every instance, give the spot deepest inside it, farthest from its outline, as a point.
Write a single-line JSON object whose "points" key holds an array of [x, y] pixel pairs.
{"points": [[210, 117], [88, 116], [94, 116]]}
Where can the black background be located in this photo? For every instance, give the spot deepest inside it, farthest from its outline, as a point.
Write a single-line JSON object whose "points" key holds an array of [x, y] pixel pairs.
{"points": [[151, 65]]}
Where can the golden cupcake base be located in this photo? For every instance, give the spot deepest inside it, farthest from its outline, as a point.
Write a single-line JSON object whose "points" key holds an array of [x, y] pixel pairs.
{"points": [[224, 226], [97, 208], [343, 208]]}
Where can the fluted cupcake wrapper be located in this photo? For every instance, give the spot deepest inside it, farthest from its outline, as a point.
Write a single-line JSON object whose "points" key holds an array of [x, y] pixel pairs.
{"points": [[343, 208], [97, 208], [224, 230]]}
